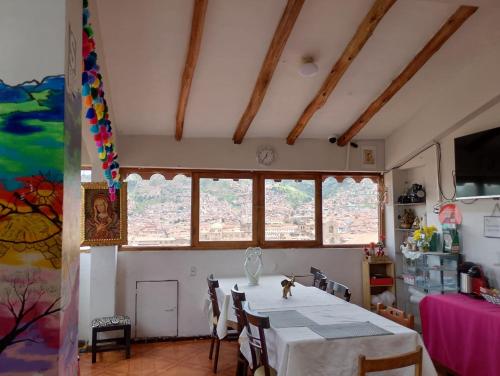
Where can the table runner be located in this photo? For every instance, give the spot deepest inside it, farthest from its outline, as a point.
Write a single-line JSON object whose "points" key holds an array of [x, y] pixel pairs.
{"points": [[268, 296], [348, 330], [462, 333], [287, 319]]}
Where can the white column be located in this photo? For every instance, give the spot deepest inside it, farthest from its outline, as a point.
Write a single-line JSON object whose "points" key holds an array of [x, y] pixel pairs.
{"points": [[103, 264]]}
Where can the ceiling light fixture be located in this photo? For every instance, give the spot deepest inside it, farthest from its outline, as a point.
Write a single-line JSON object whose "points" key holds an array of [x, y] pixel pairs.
{"points": [[308, 67]]}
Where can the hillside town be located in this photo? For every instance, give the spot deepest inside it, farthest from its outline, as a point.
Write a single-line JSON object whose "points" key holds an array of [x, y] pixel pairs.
{"points": [[159, 211]]}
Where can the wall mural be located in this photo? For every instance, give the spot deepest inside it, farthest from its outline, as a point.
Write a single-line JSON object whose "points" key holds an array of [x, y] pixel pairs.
{"points": [[31, 199]]}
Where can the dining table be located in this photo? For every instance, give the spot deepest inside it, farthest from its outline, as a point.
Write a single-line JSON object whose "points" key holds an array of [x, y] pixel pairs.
{"points": [[316, 333]]}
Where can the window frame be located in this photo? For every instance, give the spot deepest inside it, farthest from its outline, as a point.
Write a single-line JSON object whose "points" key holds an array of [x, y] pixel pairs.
{"points": [[258, 206], [195, 210], [318, 233], [377, 179]]}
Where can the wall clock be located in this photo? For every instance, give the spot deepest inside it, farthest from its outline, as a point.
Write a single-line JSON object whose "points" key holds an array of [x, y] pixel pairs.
{"points": [[266, 155]]}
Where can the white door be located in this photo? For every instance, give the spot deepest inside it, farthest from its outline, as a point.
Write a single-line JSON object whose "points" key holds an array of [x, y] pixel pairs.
{"points": [[156, 309]]}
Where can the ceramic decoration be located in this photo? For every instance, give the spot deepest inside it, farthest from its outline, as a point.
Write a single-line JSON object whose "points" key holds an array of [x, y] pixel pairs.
{"points": [[253, 265]]}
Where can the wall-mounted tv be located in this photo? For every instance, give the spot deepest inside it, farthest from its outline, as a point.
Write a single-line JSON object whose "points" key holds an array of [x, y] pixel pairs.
{"points": [[477, 165]]}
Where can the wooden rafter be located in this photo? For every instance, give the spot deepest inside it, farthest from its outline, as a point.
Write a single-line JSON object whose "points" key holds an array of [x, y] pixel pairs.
{"points": [[269, 64], [445, 32], [363, 33], [198, 21]]}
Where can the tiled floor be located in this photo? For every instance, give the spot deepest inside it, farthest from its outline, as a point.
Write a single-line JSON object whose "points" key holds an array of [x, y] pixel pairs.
{"points": [[182, 358]]}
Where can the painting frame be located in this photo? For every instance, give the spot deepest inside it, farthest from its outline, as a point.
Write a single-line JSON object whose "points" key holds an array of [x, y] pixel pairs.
{"points": [[369, 156], [119, 229]]}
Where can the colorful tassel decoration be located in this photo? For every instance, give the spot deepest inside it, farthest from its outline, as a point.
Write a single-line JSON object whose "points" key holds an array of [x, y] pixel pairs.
{"points": [[96, 108]]}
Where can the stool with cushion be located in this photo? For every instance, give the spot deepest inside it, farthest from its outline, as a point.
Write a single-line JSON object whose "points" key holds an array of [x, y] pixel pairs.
{"points": [[111, 323]]}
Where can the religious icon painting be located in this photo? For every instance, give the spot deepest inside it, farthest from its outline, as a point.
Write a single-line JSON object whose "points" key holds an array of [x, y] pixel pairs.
{"points": [[104, 222]]}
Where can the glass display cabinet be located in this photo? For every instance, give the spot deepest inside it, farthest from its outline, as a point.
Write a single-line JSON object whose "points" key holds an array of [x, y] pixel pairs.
{"points": [[431, 272]]}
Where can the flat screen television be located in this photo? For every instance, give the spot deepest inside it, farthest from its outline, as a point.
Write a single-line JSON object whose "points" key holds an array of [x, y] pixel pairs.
{"points": [[477, 165]]}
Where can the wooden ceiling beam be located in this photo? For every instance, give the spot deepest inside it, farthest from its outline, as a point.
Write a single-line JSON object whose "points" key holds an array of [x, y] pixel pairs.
{"points": [[197, 23], [285, 26], [435, 43], [363, 33]]}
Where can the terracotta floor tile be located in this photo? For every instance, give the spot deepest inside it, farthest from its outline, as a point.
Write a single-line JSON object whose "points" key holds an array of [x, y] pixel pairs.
{"points": [[181, 358]]}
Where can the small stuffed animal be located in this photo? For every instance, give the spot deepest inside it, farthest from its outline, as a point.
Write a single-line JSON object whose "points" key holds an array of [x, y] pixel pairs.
{"points": [[287, 287]]}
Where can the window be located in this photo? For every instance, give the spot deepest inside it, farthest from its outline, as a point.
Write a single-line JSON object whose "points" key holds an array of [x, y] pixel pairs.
{"points": [[226, 209], [350, 211], [203, 209], [289, 210], [159, 210]]}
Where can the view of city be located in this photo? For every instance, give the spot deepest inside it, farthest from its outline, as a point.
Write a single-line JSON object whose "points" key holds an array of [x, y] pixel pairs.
{"points": [[159, 210], [225, 209], [350, 212], [289, 209]]}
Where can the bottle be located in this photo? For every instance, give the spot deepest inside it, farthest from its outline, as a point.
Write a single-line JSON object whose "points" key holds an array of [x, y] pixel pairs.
{"points": [[455, 243]]}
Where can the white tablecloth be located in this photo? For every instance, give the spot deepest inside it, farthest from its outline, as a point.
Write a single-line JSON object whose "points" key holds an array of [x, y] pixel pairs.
{"points": [[300, 351], [267, 295]]}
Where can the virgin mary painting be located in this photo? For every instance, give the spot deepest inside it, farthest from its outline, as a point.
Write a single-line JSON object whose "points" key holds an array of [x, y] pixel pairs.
{"points": [[104, 221]]}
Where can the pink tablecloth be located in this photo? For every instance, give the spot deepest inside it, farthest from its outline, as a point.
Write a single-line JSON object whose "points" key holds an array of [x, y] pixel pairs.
{"points": [[462, 333]]}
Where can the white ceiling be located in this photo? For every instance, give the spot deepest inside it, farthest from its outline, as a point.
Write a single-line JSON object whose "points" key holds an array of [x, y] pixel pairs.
{"points": [[143, 48]]}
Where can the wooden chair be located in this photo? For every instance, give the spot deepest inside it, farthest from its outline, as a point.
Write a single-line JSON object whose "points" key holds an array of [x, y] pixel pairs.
{"points": [[384, 364], [215, 342], [258, 346], [340, 290], [317, 276], [239, 299], [323, 282], [396, 315]]}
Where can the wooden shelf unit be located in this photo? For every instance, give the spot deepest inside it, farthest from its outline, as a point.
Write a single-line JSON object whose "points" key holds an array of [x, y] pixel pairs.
{"points": [[376, 267]]}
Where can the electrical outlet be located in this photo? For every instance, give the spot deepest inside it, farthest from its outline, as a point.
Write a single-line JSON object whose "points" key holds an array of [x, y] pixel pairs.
{"points": [[193, 271]]}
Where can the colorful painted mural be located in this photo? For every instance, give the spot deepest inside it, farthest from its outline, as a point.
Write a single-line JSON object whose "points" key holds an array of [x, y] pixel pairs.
{"points": [[32, 156]]}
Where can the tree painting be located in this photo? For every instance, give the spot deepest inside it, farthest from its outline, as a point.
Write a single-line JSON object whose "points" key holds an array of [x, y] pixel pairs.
{"points": [[25, 300], [31, 218], [31, 214]]}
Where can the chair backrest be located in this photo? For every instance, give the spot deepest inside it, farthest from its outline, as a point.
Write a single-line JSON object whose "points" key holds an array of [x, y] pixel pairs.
{"points": [[340, 290], [238, 299], [317, 276], [257, 344], [396, 315], [323, 282], [212, 293], [395, 362]]}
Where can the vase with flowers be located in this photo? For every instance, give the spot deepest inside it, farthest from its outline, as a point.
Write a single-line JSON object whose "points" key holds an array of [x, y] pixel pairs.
{"points": [[423, 237]]}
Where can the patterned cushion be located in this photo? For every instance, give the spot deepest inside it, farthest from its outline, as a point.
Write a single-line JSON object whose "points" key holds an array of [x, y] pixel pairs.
{"points": [[106, 322]]}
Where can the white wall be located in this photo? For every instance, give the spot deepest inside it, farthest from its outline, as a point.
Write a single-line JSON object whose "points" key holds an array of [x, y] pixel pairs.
{"points": [[462, 92], [31, 21], [475, 247], [342, 265], [212, 153], [218, 153]]}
